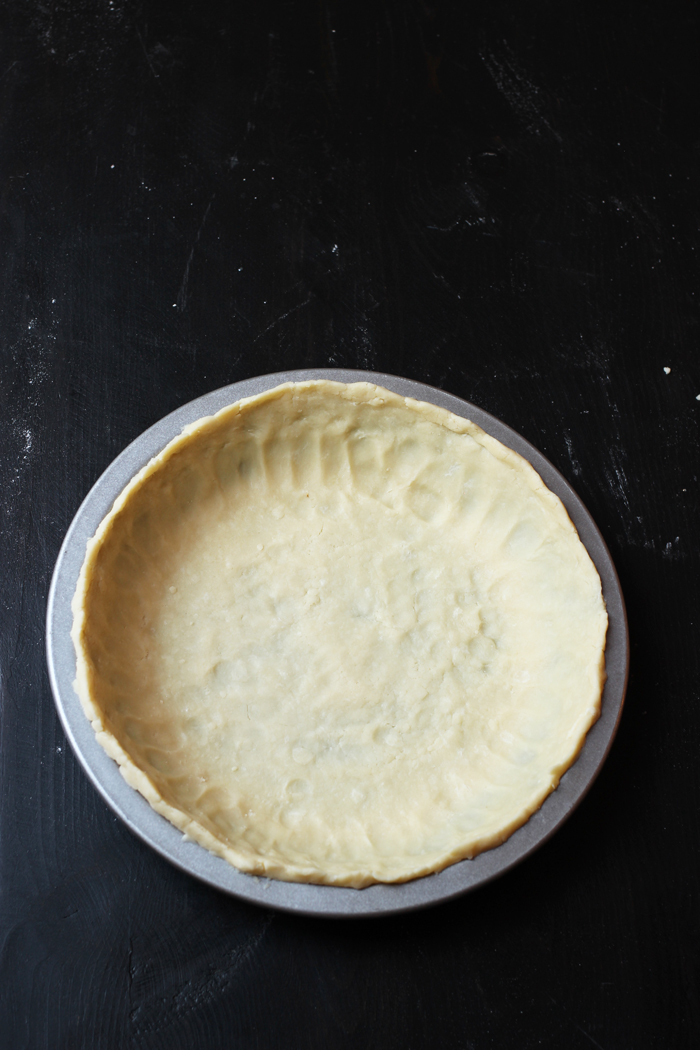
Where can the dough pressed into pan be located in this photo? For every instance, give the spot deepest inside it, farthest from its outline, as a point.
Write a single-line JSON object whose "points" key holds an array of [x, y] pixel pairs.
{"points": [[339, 636]]}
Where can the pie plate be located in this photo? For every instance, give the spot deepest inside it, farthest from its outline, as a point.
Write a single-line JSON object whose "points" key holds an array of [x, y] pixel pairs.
{"points": [[303, 898]]}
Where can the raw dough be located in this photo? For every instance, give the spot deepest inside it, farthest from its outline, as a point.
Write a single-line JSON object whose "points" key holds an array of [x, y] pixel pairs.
{"points": [[339, 636]]}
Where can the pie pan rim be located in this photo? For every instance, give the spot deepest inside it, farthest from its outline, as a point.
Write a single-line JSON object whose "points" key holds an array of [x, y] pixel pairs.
{"points": [[305, 898]]}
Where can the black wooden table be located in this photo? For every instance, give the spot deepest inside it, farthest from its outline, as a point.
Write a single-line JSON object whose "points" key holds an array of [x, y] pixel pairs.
{"points": [[497, 199]]}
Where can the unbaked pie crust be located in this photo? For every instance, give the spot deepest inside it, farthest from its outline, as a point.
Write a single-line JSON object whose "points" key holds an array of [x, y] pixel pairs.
{"points": [[339, 636]]}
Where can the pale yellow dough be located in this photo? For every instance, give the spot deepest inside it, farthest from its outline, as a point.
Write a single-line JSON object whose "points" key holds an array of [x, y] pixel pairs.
{"points": [[339, 636]]}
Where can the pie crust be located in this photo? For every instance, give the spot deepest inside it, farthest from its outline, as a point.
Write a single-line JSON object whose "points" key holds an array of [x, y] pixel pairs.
{"points": [[339, 636]]}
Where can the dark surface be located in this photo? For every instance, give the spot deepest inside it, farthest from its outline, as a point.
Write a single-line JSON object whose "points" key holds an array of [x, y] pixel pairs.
{"points": [[498, 199]]}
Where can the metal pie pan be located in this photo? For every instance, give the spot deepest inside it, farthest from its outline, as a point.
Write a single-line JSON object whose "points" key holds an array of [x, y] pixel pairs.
{"points": [[331, 901]]}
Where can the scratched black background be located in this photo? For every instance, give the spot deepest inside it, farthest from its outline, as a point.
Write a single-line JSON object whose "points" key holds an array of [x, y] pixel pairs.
{"points": [[500, 199]]}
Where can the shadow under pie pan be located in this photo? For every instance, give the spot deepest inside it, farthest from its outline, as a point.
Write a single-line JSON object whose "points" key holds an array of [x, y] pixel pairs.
{"points": [[302, 897]]}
